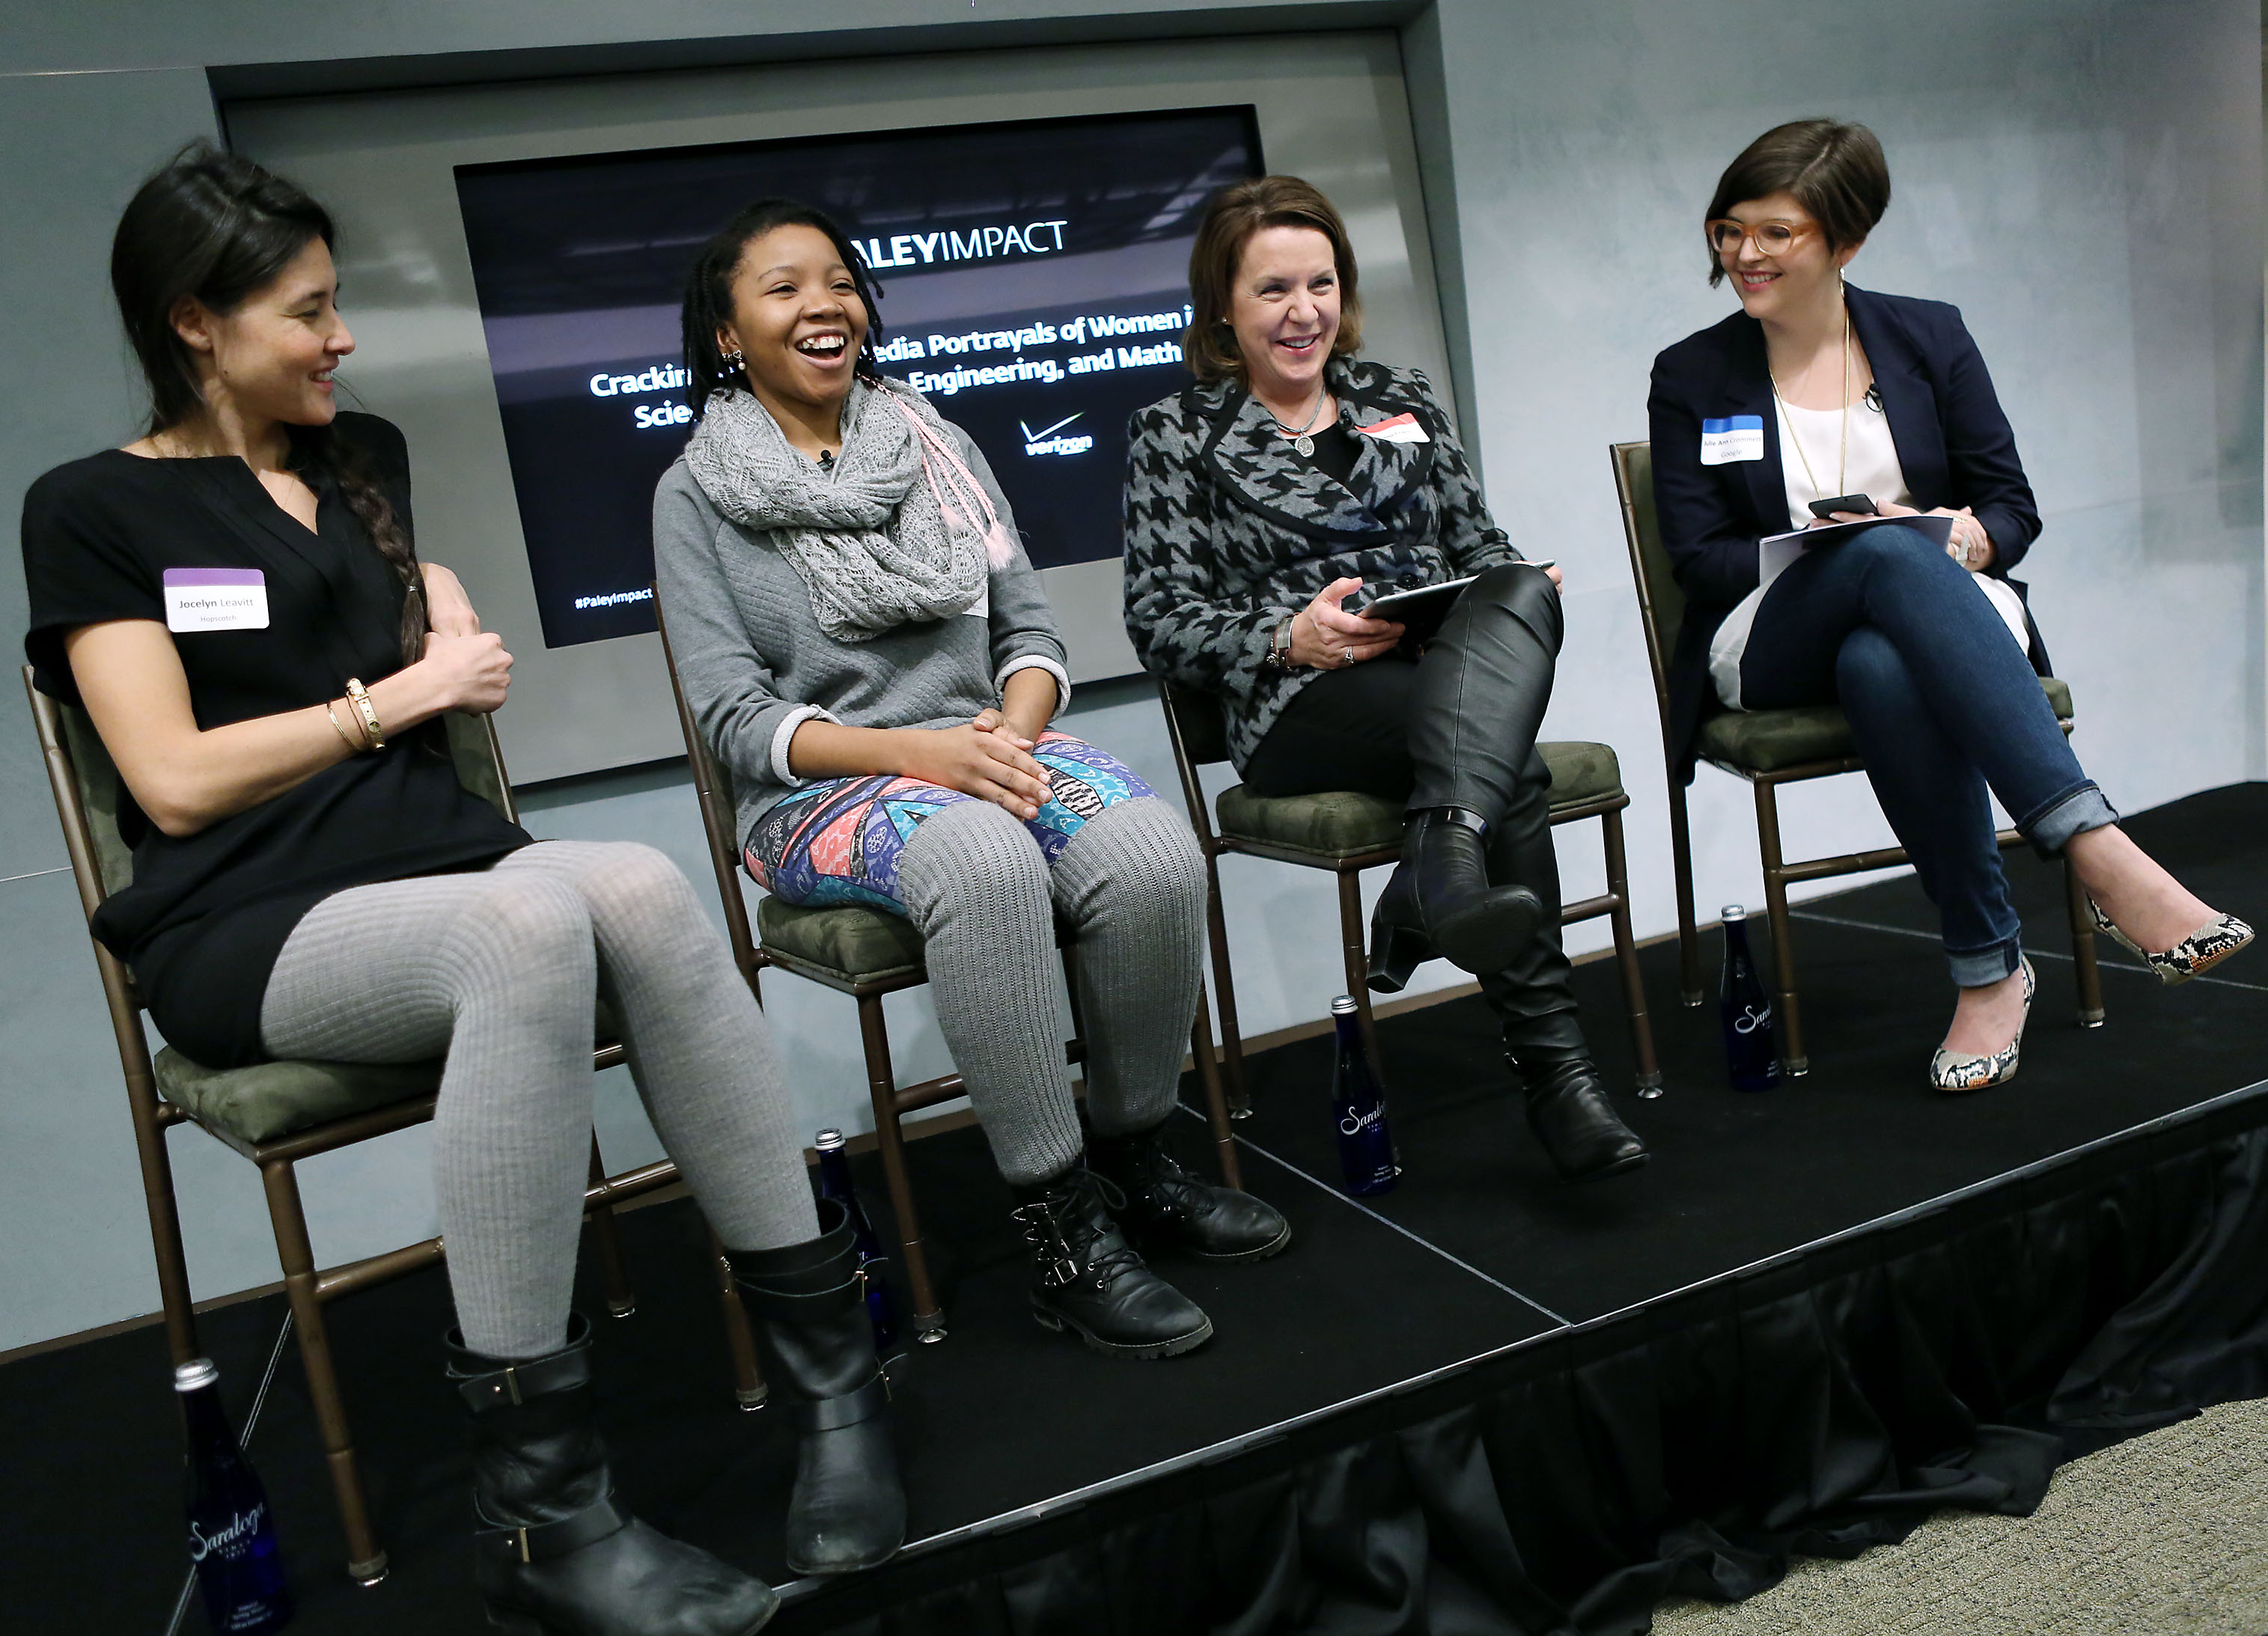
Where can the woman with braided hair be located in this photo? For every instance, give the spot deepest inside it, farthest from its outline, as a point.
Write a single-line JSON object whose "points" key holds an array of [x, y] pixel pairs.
{"points": [[867, 650]]}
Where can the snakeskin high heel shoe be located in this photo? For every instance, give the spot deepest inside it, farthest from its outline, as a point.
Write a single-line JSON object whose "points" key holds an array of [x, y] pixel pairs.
{"points": [[2194, 954], [1958, 1072]]}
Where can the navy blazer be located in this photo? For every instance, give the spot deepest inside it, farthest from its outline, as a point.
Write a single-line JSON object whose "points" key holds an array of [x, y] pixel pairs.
{"points": [[1954, 444]]}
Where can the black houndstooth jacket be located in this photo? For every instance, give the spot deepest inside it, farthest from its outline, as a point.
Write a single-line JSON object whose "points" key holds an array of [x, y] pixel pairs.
{"points": [[1229, 530]]}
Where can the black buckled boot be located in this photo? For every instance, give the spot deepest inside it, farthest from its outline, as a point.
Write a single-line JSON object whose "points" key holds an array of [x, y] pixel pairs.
{"points": [[1086, 1278], [808, 1304], [1481, 690], [555, 1553], [1568, 1109], [1167, 1207], [1440, 901]]}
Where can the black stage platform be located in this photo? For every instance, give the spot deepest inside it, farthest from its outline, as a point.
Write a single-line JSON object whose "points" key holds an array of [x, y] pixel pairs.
{"points": [[1484, 1403]]}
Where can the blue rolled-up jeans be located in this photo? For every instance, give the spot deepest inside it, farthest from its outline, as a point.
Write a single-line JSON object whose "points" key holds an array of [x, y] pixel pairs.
{"points": [[1944, 706]]}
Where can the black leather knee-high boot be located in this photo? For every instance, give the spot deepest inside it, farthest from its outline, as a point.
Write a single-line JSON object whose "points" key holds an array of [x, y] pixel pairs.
{"points": [[555, 1553], [1481, 689], [808, 1306], [1533, 997]]}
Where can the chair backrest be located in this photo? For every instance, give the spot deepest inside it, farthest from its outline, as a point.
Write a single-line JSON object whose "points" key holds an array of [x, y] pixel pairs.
{"points": [[1195, 728], [89, 792], [712, 785], [1661, 603]]}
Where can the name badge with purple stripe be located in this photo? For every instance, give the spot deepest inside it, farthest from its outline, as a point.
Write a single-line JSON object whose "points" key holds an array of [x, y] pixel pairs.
{"points": [[216, 599]]}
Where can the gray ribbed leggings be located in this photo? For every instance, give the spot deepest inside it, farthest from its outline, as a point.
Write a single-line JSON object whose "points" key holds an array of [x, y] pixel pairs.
{"points": [[499, 969], [1130, 886]]}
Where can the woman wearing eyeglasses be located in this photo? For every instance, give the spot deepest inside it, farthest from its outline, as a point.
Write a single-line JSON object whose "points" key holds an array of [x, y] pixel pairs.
{"points": [[1817, 391]]}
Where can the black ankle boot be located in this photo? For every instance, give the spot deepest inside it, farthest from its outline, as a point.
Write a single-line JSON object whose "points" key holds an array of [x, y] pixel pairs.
{"points": [[1568, 1109], [808, 1304], [1440, 901], [555, 1553], [1087, 1279], [1167, 1207]]}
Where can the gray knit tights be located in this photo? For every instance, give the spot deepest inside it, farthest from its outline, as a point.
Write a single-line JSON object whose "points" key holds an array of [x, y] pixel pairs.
{"points": [[498, 969], [1130, 885]]}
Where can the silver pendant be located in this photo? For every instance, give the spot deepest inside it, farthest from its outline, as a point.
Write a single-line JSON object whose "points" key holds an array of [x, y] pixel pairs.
{"points": [[1305, 444]]}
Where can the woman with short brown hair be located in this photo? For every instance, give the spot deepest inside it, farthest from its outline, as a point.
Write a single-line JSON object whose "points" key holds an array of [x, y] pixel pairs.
{"points": [[1258, 500]]}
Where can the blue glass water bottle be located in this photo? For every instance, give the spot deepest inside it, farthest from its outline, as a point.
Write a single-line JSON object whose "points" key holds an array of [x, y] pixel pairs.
{"points": [[1752, 1046], [231, 1534], [835, 1183], [1365, 1146]]}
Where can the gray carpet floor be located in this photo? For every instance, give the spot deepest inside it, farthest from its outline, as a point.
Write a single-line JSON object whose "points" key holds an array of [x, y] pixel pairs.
{"points": [[2167, 1532]]}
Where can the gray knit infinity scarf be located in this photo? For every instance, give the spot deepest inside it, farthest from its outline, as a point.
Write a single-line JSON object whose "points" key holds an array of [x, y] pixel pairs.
{"points": [[898, 532]]}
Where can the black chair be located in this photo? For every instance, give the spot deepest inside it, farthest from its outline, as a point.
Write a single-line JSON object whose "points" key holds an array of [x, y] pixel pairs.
{"points": [[1347, 833]]}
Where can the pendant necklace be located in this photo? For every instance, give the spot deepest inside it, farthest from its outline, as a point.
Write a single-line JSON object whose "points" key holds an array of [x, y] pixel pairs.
{"points": [[1843, 451], [1301, 440]]}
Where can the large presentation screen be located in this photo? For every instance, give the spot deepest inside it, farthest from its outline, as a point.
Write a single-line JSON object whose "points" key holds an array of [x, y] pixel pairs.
{"points": [[1034, 279]]}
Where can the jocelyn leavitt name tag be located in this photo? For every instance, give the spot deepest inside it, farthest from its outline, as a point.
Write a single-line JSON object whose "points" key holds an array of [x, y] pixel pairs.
{"points": [[216, 599]]}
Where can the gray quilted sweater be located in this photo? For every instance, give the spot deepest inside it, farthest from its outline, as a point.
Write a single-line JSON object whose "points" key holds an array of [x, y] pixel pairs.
{"points": [[756, 666], [1229, 531]]}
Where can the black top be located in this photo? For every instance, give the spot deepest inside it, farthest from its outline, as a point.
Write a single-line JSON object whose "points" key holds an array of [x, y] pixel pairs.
{"points": [[208, 913], [1336, 451], [1954, 447]]}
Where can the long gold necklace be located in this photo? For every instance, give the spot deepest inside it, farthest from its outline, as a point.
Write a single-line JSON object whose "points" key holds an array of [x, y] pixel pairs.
{"points": [[1843, 450]]}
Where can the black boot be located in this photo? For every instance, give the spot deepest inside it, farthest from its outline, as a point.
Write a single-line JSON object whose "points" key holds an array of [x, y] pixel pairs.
{"points": [[1568, 1109], [555, 1553], [1481, 691], [1087, 1279], [808, 1302], [1439, 903], [1167, 1206]]}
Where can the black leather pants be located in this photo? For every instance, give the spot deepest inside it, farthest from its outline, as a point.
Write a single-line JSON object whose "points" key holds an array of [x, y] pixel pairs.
{"points": [[1455, 728]]}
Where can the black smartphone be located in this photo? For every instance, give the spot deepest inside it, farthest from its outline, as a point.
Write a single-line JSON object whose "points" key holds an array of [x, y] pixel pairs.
{"points": [[1858, 505]]}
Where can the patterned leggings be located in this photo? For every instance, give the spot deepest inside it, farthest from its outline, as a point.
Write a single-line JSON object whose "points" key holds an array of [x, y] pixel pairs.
{"points": [[837, 841]]}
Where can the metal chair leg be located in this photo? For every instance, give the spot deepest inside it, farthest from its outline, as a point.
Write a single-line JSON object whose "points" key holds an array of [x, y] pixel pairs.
{"points": [[366, 1560], [882, 1086], [1358, 964], [1224, 984], [1681, 861], [748, 1389], [1787, 1013], [1224, 1141], [2085, 964], [613, 1277], [1641, 1030]]}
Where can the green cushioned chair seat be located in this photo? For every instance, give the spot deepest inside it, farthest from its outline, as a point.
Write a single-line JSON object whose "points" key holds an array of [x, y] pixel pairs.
{"points": [[1341, 823], [248, 1106], [857, 945], [1770, 741]]}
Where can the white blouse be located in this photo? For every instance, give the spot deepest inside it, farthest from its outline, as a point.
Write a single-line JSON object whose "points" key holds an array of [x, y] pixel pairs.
{"points": [[1868, 465]]}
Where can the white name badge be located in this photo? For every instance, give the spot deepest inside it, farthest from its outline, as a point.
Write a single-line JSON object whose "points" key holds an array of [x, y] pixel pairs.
{"points": [[981, 607], [1402, 428], [216, 599], [1737, 438]]}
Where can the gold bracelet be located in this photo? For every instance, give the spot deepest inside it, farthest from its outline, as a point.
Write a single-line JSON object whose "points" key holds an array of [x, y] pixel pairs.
{"points": [[353, 748], [368, 711]]}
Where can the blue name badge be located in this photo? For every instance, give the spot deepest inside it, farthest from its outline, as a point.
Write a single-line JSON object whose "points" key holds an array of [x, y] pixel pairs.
{"points": [[1736, 437]]}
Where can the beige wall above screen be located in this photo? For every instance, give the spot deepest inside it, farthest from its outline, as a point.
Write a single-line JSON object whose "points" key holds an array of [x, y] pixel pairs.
{"points": [[1330, 107]]}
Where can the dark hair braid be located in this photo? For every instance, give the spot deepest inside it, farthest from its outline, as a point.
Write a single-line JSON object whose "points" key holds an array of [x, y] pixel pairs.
{"points": [[215, 225], [708, 293]]}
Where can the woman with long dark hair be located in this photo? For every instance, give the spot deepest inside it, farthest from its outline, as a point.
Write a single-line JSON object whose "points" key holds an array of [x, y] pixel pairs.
{"points": [[867, 649], [235, 598], [1816, 390]]}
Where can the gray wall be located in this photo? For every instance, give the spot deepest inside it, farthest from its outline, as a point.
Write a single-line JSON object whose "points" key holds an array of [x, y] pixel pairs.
{"points": [[2083, 179]]}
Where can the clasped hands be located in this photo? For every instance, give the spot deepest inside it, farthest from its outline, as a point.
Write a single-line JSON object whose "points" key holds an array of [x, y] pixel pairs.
{"points": [[1326, 637], [1969, 545], [987, 758]]}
